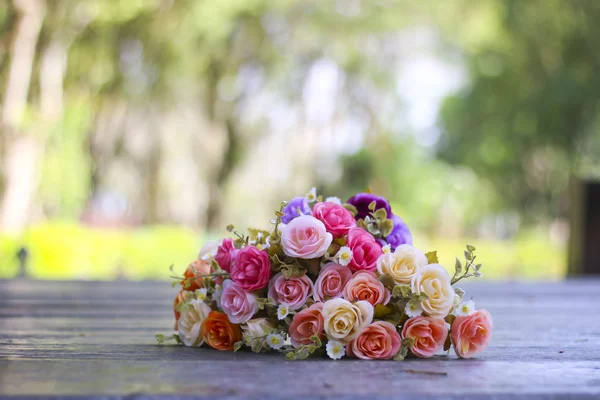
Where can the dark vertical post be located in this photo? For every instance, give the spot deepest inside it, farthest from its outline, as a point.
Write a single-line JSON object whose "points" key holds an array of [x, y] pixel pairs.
{"points": [[22, 256], [584, 242]]}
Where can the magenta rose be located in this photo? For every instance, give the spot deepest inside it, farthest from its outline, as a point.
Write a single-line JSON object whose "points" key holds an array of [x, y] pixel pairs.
{"points": [[331, 281], [293, 291], [238, 304], [251, 268], [337, 219], [365, 250], [226, 254], [307, 323]]}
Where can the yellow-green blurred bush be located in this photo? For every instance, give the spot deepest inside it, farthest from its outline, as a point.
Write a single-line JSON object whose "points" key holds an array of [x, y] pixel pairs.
{"points": [[71, 251], [60, 250]]}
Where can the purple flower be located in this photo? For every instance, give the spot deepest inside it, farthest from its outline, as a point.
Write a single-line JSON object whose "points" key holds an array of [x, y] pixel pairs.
{"points": [[291, 210], [400, 233], [362, 200]]}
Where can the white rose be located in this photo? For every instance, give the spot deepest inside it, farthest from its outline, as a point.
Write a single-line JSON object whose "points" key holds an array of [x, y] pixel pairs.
{"points": [[343, 320], [209, 250], [402, 264], [434, 281], [257, 329], [191, 321]]}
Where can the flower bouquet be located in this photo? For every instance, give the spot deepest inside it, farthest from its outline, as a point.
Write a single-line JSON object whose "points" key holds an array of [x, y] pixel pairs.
{"points": [[340, 279]]}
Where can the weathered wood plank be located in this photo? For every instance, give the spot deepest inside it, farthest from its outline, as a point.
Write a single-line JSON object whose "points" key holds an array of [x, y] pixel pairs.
{"points": [[97, 338]]}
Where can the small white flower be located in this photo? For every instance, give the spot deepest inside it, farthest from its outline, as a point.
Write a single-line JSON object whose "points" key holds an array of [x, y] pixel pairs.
{"points": [[413, 309], [387, 249], [465, 309], [283, 311], [201, 294], [344, 255], [335, 349], [311, 196], [275, 340], [334, 199]]}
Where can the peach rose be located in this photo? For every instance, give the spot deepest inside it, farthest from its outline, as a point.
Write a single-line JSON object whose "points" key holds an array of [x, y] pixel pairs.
{"points": [[365, 250], [331, 281], [364, 285], [471, 334], [434, 281], [238, 304], [305, 237], [344, 320], [428, 335], [402, 264], [337, 219], [198, 267], [378, 341], [219, 333], [308, 322], [190, 323], [293, 291]]}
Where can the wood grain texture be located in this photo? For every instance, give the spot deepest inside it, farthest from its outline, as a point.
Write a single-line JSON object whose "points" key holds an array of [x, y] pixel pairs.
{"points": [[96, 340]]}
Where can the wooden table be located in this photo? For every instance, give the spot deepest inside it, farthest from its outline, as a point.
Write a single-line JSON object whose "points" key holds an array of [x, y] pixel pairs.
{"points": [[96, 340]]}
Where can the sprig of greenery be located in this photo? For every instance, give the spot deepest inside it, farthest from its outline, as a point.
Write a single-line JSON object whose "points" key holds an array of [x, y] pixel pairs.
{"points": [[470, 268]]}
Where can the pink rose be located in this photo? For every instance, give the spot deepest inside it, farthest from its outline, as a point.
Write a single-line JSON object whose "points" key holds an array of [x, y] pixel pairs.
{"points": [[293, 291], [378, 341], [331, 281], [471, 334], [307, 323], [337, 219], [364, 285], [305, 237], [238, 304], [251, 268], [226, 254], [365, 250], [428, 334]]}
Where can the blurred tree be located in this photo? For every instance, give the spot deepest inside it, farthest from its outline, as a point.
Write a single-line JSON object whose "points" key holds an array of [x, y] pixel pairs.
{"points": [[529, 117]]}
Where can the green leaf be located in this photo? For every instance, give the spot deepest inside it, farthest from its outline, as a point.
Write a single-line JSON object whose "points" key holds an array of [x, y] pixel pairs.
{"points": [[401, 354], [290, 356], [387, 280], [174, 283], [471, 248], [447, 343], [478, 267], [401, 291], [459, 292], [351, 208], [432, 257], [372, 205], [230, 228], [316, 340], [160, 338], [380, 214], [408, 342], [237, 346], [386, 226], [458, 266], [381, 311], [468, 255]]}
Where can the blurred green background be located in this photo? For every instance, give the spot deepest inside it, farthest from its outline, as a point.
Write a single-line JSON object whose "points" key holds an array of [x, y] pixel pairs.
{"points": [[132, 131]]}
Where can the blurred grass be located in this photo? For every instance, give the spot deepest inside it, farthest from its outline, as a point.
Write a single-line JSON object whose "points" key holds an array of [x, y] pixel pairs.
{"points": [[60, 250]]}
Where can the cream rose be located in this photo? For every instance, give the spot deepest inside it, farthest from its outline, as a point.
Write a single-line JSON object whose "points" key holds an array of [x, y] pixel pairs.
{"points": [[257, 330], [344, 320], [434, 281], [190, 322], [402, 264]]}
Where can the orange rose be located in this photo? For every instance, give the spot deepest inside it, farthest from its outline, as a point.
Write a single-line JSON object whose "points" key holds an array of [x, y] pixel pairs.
{"points": [[219, 333], [198, 267], [178, 299]]}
